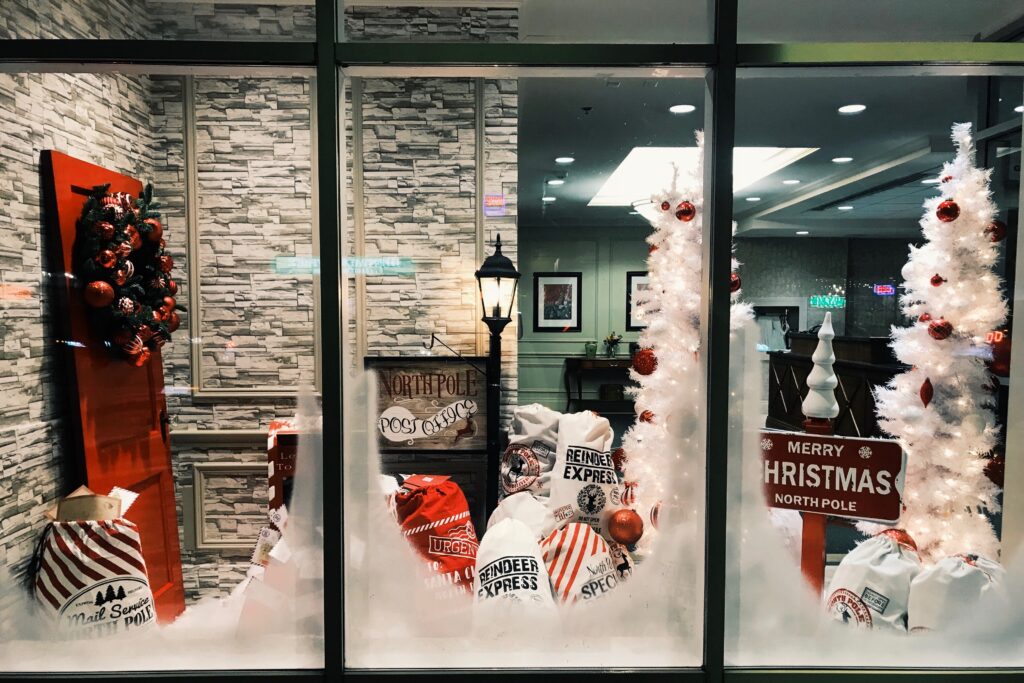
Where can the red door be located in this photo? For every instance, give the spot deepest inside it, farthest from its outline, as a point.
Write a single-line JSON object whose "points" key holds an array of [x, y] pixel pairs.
{"points": [[118, 421]]}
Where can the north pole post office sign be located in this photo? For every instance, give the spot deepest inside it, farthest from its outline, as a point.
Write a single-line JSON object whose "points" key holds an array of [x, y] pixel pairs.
{"points": [[430, 404]]}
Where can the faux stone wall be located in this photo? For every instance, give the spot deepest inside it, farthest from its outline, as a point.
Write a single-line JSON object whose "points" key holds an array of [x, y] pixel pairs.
{"points": [[99, 19], [94, 117], [447, 24], [230, 21]]}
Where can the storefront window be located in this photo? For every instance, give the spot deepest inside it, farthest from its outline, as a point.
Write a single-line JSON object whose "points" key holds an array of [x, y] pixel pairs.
{"points": [[158, 293], [875, 481], [600, 488]]}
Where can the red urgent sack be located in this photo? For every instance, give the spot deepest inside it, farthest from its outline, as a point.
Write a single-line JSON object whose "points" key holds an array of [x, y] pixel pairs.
{"points": [[434, 516]]}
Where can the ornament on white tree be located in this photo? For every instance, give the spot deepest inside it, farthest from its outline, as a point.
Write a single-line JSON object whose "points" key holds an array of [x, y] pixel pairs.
{"points": [[820, 402], [938, 409]]}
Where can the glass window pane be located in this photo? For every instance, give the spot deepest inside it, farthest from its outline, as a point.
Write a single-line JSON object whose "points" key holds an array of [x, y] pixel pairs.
{"points": [[528, 21], [875, 475], [564, 170], [157, 20], [798, 21], [155, 338]]}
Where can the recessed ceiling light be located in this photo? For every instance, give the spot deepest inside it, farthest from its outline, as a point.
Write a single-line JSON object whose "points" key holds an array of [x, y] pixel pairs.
{"points": [[556, 181], [930, 181], [564, 160], [1020, 109], [842, 160], [852, 108], [548, 200], [791, 181], [803, 232], [845, 207], [753, 199], [682, 108]]}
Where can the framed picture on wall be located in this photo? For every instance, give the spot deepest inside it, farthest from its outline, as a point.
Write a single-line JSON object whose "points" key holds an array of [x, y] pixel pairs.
{"points": [[636, 281], [556, 302]]}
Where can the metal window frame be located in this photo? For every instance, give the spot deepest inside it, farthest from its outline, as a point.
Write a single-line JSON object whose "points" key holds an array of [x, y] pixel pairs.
{"points": [[723, 58]]}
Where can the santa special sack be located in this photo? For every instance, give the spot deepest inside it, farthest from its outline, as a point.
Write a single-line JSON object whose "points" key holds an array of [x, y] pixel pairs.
{"points": [[871, 586], [434, 517], [510, 570], [579, 564], [948, 592], [526, 463], [90, 576], [584, 484]]}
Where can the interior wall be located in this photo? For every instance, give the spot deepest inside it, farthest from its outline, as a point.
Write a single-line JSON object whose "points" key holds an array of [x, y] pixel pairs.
{"points": [[449, 24]]}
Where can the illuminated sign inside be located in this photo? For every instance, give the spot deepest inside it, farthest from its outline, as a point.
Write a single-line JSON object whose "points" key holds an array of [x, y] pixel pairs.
{"points": [[885, 290], [494, 205], [827, 301]]}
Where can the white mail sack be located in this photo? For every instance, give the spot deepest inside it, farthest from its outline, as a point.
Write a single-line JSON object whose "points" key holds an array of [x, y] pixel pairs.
{"points": [[525, 508], [584, 484], [579, 564], [526, 463], [871, 586], [92, 579], [951, 591], [510, 571]]}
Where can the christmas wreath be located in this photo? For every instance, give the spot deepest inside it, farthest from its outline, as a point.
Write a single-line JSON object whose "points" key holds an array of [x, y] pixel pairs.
{"points": [[121, 259]]}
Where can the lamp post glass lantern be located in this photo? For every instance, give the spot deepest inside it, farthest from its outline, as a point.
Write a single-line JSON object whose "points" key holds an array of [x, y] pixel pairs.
{"points": [[497, 279]]}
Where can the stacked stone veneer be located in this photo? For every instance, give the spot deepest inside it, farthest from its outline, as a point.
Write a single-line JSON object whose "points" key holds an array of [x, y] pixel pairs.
{"points": [[450, 24]]}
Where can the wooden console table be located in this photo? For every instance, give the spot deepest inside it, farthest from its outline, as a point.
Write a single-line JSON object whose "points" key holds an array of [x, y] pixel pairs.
{"points": [[577, 367]]}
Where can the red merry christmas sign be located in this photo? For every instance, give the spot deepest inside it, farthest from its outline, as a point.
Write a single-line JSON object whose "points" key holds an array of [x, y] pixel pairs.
{"points": [[833, 475]]}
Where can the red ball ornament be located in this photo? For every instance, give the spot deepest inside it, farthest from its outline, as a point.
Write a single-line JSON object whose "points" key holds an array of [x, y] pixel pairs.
{"points": [[927, 392], [173, 322], [625, 527], [157, 316], [665, 206], [647, 416], [619, 459], [937, 280], [948, 211], [651, 249], [735, 283], [686, 211], [996, 231], [172, 287], [940, 329], [133, 237], [169, 303], [121, 276], [901, 537], [99, 294], [946, 178], [103, 229], [133, 346], [106, 258], [156, 231], [645, 362], [925, 317], [165, 263], [995, 469], [1000, 342]]}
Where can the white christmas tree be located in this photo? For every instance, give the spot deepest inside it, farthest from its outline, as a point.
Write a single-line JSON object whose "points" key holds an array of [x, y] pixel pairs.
{"points": [[940, 408], [820, 401], [666, 437]]}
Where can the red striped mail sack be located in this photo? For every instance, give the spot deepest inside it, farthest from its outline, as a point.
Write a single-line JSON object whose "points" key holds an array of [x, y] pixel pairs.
{"points": [[434, 516], [579, 564], [92, 579]]}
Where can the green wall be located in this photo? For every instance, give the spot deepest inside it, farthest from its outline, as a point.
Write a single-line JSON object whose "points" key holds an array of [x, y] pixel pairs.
{"points": [[603, 255]]}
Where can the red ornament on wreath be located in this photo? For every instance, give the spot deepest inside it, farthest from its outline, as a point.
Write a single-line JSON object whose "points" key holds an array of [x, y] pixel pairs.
{"points": [[625, 527], [173, 322], [133, 237], [686, 211], [619, 459], [948, 211], [734, 283], [104, 230], [645, 362], [665, 206], [925, 317], [937, 280], [995, 469], [142, 358], [940, 329], [996, 231], [106, 258], [166, 263], [927, 392], [123, 250], [647, 416], [156, 231], [99, 294]]}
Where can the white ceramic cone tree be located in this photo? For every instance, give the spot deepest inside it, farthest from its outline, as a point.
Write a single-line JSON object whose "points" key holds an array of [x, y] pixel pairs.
{"points": [[940, 409], [820, 401]]}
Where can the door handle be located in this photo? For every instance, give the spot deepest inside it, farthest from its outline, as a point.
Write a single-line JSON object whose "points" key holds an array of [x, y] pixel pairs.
{"points": [[165, 422]]}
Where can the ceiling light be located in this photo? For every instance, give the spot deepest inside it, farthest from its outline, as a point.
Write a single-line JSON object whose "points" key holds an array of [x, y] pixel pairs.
{"points": [[852, 108], [1020, 109], [753, 199], [647, 167], [682, 108], [845, 207], [803, 232], [556, 181], [548, 200], [634, 213], [930, 181], [842, 160], [791, 181], [564, 160]]}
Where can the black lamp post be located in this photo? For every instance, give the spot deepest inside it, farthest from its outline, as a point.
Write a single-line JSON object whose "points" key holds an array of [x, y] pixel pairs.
{"points": [[498, 279]]}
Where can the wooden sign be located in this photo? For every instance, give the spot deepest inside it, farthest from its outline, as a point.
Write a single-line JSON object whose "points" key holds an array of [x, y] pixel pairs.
{"points": [[833, 475], [430, 404]]}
